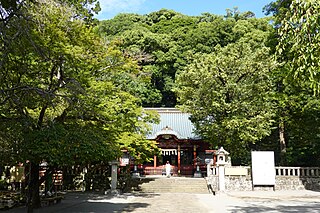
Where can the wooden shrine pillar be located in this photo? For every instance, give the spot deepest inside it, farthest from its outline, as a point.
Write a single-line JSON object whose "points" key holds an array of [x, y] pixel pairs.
{"points": [[179, 159], [194, 156], [154, 161]]}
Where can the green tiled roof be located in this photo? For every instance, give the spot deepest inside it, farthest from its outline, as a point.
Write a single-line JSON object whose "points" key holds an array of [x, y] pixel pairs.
{"points": [[172, 122]]}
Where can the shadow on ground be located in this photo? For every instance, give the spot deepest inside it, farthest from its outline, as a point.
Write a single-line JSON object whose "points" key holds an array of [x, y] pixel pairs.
{"points": [[135, 184], [76, 202], [306, 208]]}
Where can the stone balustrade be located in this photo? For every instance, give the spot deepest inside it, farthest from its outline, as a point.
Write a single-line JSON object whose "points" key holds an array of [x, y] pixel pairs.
{"points": [[298, 171], [287, 178], [280, 171]]}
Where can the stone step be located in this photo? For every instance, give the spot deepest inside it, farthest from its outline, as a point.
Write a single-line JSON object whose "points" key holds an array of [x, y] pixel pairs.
{"points": [[177, 180], [172, 185], [175, 189]]}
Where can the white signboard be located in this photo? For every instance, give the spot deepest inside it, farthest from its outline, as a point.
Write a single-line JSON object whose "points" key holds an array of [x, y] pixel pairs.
{"points": [[124, 161], [263, 171]]}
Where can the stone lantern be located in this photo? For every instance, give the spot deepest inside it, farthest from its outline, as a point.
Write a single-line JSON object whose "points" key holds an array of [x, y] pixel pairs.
{"points": [[221, 162], [222, 156]]}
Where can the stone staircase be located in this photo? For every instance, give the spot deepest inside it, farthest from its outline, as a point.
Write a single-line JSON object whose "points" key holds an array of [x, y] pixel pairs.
{"points": [[175, 185]]}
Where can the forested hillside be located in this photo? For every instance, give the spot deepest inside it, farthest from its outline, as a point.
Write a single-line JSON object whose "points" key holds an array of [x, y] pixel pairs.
{"points": [[164, 42], [227, 72]]}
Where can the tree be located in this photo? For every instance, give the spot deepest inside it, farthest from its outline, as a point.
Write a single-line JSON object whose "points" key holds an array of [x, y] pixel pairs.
{"points": [[295, 43], [299, 41], [40, 80], [120, 23], [303, 131], [160, 42], [59, 94], [229, 94]]}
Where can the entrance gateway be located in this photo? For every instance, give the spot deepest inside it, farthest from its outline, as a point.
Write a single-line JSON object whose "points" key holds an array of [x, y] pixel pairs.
{"points": [[186, 152]]}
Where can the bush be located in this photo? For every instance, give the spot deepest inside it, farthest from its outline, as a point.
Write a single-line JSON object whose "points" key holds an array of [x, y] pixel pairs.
{"points": [[3, 185]]}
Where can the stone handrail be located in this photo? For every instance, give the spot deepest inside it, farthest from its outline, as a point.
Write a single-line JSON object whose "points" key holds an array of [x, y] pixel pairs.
{"points": [[298, 171], [279, 170], [231, 170]]}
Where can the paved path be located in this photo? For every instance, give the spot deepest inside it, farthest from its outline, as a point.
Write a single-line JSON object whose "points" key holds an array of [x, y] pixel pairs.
{"points": [[232, 202], [270, 201]]}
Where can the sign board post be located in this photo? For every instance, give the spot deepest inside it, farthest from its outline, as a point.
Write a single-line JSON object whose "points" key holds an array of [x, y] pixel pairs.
{"points": [[263, 170]]}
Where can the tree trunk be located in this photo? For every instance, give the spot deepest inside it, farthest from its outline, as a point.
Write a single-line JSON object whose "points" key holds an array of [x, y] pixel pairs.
{"points": [[33, 200], [283, 146]]}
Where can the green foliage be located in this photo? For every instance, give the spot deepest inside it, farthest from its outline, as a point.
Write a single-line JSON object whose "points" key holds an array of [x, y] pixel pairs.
{"points": [[141, 149], [304, 132], [61, 95], [61, 99], [86, 9], [299, 41], [298, 109], [166, 43], [160, 41], [3, 184], [120, 23], [229, 94], [296, 46], [161, 15]]}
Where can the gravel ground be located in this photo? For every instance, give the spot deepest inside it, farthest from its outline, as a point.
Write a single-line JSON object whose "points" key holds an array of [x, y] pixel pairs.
{"points": [[233, 202]]}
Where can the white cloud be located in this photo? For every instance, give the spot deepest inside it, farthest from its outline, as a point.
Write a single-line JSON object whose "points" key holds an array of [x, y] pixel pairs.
{"points": [[112, 7]]}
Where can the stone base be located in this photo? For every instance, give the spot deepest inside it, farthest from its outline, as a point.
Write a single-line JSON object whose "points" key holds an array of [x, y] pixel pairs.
{"points": [[197, 174], [135, 174], [48, 201], [113, 192]]}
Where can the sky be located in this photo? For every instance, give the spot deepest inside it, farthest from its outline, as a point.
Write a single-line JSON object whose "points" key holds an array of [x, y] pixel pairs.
{"points": [[110, 8]]}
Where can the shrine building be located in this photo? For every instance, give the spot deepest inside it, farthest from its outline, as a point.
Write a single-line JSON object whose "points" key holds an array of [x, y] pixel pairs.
{"points": [[186, 152]]}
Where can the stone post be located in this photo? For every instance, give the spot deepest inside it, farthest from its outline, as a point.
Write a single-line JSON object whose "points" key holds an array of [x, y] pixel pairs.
{"points": [[222, 185], [114, 175], [83, 174], [209, 170]]}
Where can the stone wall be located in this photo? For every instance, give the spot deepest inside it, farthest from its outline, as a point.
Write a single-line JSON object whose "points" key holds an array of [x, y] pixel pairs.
{"points": [[212, 182], [244, 183], [297, 183], [238, 183], [232, 183]]}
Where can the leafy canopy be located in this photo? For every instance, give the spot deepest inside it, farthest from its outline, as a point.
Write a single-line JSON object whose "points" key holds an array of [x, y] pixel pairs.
{"points": [[60, 96], [299, 41], [229, 94]]}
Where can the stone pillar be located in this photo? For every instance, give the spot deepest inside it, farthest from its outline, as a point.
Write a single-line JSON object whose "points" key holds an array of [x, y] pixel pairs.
{"points": [[222, 185], [114, 175], [209, 170], [83, 174]]}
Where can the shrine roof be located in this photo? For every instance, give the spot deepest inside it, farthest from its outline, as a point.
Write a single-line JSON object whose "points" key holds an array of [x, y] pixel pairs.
{"points": [[173, 122]]}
